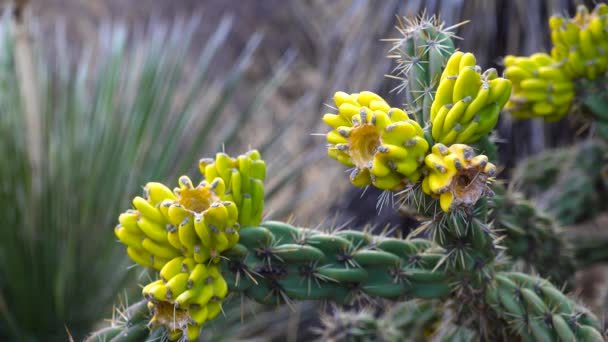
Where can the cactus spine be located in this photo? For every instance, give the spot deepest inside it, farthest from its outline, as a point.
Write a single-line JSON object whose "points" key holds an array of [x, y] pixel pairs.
{"points": [[421, 55]]}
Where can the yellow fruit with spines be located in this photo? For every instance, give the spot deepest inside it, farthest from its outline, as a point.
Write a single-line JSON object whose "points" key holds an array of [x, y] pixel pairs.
{"points": [[201, 229], [219, 241], [214, 308], [376, 143], [129, 239], [162, 250], [258, 170], [445, 201], [452, 65], [201, 254], [478, 103], [218, 186], [177, 214], [341, 97], [488, 117], [152, 229], [436, 129], [158, 292], [211, 172], [468, 131], [257, 200], [456, 176], [467, 60], [172, 268], [232, 236], [543, 108], [516, 73], [587, 45], [381, 106], [199, 315], [366, 97], [158, 192], [534, 84], [146, 289], [541, 59], [193, 331], [556, 22], [148, 210], [454, 115], [443, 95], [596, 26], [533, 96], [128, 220], [203, 297], [177, 285], [140, 257], [223, 165], [467, 84], [187, 234], [246, 210], [164, 206], [173, 237]]}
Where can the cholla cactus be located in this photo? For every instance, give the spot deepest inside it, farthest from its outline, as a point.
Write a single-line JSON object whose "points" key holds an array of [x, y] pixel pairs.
{"points": [[421, 55], [383, 145], [467, 103], [207, 240], [581, 43], [540, 87], [457, 176], [183, 232]]}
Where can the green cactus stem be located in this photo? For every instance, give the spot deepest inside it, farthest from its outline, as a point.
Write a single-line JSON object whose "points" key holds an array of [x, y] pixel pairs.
{"points": [[532, 236], [537, 311], [277, 262], [421, 54]]}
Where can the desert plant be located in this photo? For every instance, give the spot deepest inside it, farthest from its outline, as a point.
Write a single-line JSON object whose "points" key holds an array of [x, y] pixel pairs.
{"points": [[207, 239], [125, 110]]}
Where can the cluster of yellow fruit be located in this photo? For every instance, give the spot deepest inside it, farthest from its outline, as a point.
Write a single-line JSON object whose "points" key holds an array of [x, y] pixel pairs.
{"points": [[467, 103], [456, 175], [382, 144], [581, 43], [182, 233], [387, 149], [540, 87], [187, 295], [543, 85]]}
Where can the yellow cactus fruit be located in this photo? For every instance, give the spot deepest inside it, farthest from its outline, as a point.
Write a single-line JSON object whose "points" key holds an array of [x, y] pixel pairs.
{"points": [[384, 147], [144, 230], [457, 176], [184, 297], [580, 44], [242, 182], [467, 103], [540, 87], [206, 222]]}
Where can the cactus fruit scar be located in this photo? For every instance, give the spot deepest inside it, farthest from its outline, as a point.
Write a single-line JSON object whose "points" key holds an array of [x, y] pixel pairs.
{"points": [[467, 103], [540, 87], [457, 176], [384, 147], [187, 295]]}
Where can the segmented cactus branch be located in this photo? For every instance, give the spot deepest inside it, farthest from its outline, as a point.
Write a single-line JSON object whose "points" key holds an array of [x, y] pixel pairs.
{"points": [[277, 262], [532, 236]]}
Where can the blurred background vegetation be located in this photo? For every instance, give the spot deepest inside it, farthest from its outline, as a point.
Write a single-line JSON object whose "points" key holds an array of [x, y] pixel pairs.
{"points": [[97, 97]]}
